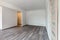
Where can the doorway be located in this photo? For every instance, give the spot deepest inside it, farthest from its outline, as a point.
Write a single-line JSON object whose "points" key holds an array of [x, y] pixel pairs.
{"points": [[19, 18]]}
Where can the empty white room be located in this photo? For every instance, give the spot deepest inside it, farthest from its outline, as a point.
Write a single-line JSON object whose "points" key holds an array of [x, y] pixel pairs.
{"points": [[28, 19]]}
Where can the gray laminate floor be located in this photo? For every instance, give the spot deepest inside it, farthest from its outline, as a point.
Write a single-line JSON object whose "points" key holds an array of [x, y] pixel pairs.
{"points": [[24, 33]]}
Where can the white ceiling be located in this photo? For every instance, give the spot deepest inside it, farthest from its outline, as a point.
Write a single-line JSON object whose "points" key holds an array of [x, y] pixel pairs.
{"points": [[28, 4]]}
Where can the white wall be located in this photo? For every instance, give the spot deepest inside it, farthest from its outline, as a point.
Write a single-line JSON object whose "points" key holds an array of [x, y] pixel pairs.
{"points": [[48, 27], [9, 18], [11, 6], [36, 17], [23, 17], [0, 17], [52, 20], [59, 20]]}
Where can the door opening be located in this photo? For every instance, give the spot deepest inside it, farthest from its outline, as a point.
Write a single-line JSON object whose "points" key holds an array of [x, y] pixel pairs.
{"points": [[19, 18]]}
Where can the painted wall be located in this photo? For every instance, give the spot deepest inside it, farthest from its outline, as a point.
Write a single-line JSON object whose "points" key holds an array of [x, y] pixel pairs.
{"points": [[52, 19], [48, 27], [36, 17], [59, 20], [0, 17], [9, 17], [23, 17]]}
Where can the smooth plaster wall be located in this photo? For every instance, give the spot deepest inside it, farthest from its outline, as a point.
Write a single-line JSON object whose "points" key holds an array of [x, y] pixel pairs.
{"points": [[9, 17], [48, 27], [59, 20], [23, 17], [36, 17], [0, 17]]}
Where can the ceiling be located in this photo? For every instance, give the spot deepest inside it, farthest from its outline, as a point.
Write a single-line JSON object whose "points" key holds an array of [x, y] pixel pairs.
{"points": [[28, 4]]}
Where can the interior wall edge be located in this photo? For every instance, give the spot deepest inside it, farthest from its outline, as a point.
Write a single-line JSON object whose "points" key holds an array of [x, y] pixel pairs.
{"points": [[9, 6]]}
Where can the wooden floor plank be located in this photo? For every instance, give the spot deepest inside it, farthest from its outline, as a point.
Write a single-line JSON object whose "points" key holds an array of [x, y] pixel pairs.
{"points": [[24, 33]]}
